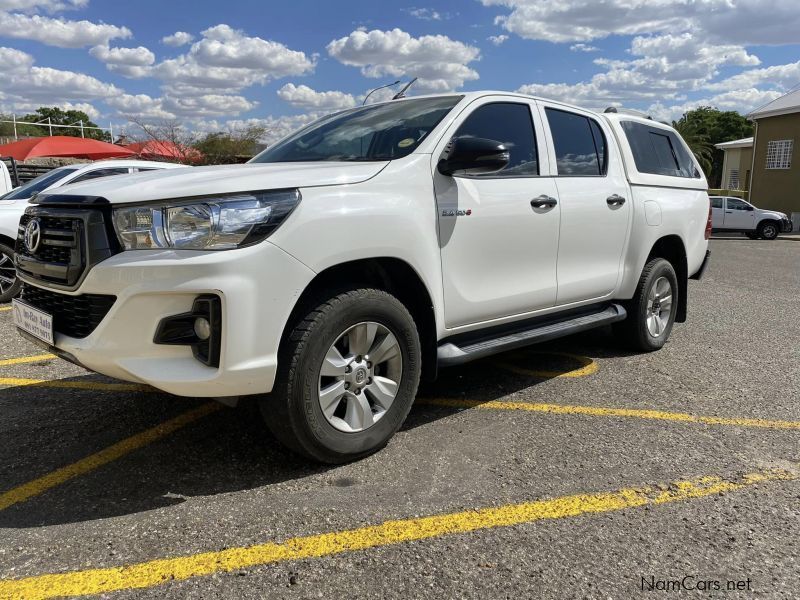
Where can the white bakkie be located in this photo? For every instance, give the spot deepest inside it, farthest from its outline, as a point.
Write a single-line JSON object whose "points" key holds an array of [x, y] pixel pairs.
{"points": [[366, 251]]}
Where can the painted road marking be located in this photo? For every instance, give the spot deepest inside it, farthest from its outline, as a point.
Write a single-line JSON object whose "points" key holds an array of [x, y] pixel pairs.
{"points": [[103, 457], [157, 572], [26, 359], [76, 385], [4, 308], [601, 411], [588, 366]]}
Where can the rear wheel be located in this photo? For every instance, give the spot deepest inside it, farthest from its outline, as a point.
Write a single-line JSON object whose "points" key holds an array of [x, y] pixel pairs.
{"points": [[652, 310], [768, 230], [9, 283], [350, 373]]}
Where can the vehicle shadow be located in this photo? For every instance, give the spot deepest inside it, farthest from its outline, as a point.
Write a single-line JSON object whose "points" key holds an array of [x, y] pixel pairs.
{"points": [[230, 450]]}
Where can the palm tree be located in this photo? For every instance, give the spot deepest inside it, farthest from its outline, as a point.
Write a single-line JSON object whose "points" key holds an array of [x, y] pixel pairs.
{"points": [[697, 141]]}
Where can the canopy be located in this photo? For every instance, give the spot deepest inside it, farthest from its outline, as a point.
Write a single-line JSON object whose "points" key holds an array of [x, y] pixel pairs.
{"points": [[164, 150], [63, 146]]}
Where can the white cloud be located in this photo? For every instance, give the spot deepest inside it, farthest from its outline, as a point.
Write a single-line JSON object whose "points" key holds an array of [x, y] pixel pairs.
{"points": [[776, 76], [130, 62], [276, 127], [497, 40], [59, 32], [179, 38], [719, 21], [426, 14], [742, 101], [227, 59], [584, 48], [302, 96], [438, 61], [139, 106], [209, 105], [51, 6]]}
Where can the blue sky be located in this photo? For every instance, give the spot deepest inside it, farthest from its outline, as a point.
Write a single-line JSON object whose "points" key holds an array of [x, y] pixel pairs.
{"points": [[212, 65]]}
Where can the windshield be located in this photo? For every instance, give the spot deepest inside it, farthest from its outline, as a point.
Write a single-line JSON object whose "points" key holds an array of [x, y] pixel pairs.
{"points": [[370, 133], [42, 182]]}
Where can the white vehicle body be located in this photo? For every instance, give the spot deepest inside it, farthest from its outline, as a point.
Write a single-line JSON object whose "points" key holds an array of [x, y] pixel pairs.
{"points": [[732, 214], [5, 179], [468, 253]]}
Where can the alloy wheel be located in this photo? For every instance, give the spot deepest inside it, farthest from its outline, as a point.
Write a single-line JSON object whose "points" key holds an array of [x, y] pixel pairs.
{"points": [[8, 273], [659, 307]]}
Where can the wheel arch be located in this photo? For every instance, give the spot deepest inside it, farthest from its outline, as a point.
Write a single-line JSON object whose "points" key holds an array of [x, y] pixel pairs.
{"points": [[392, 275], [7, 241], [671, 248]]}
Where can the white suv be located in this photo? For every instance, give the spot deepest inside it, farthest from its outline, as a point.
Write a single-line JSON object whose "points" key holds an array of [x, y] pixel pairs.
{"points": [[734, 215], [13, 204], [366, 251]]}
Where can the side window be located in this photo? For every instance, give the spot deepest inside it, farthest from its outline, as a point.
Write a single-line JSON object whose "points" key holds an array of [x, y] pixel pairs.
{"points": [[716, 202], [735, 204], [512, 125], [579, 143], [658, 151], [101, 173]]}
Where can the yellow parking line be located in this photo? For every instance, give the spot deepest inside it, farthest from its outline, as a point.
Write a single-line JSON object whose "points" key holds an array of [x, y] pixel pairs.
{"points": [[4, 308], [157, 572], [105, 456], [588, 366], [76, 385], [600, 411], [26, 359]]}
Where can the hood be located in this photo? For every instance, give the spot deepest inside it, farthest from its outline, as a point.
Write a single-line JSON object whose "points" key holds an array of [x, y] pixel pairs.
{"points": [[225, 179], [771, 213]]}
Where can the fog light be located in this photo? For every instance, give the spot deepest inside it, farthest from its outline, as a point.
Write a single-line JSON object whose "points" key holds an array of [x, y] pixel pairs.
{"points": [[202, 328]]}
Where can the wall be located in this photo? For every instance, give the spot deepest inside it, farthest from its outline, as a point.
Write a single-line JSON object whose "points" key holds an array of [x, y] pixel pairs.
{"points": [[776, 189]]}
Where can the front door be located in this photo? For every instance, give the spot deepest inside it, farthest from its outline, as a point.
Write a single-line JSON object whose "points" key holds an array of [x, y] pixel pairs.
{"points": [[498, 250], [739, 214], [595, 204]]}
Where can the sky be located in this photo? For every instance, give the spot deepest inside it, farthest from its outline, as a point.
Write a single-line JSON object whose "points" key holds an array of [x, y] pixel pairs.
{"points": [[218, 65]]}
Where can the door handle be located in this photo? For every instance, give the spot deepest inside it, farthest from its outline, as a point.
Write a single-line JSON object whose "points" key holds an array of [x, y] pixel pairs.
{"points": [[728, 212], [544, 201], [615, 200]]}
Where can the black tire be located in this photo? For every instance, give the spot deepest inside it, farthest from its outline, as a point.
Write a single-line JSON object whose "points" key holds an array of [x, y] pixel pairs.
{"points": [[8, 291], [633, 330], [768, 230], [293, 412]]}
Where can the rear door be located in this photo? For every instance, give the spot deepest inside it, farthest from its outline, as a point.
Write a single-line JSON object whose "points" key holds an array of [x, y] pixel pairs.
{"points": [[595, 207], [739, 214], [498, 250]]}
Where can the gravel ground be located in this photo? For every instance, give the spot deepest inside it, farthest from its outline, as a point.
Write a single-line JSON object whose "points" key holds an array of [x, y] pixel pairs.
{"points": [[222, 482]]}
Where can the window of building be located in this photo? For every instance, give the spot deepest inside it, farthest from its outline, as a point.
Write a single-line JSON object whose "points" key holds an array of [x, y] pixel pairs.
{"points": [[733, 179], [579, 142], [779, 154], [510, 124]]}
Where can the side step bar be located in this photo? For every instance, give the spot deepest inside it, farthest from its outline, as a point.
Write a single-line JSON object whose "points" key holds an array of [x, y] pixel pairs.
{"points": [[450, 354]]}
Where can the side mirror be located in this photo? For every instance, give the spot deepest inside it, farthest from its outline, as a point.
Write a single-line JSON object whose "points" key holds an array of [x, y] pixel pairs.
{"points": [[473, 156]]}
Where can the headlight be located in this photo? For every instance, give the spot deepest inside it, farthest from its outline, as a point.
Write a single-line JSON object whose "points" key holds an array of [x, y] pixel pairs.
{"points": [[217, 223]]}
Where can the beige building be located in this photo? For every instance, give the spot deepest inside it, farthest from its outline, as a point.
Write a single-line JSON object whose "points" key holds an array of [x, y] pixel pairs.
{"points": [[738, 163], [775, 179]]}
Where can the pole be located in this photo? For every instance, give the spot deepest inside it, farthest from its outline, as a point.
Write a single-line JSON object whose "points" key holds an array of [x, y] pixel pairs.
{"points": [[81, 127], [111, 131], [50, 125], [14, 116]]}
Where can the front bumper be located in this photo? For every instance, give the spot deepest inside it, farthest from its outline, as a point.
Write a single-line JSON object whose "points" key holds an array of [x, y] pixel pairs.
{"points": [[787, 226], [258, 287]]}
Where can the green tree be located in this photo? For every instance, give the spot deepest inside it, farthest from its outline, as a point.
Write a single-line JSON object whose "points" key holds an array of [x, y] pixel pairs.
{"points": [[233, 146], [58, 116], [705, 126]]}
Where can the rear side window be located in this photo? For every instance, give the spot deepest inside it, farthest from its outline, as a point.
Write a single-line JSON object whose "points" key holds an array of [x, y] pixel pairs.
{"points": [[579, 143], [511, 124], [658, 151], [716, 202]]}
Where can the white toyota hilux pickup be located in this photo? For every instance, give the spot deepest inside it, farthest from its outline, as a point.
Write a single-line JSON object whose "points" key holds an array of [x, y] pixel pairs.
{"points": [[366, 251]]}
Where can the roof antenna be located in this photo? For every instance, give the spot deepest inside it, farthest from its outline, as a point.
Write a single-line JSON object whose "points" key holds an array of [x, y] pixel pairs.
{"points": [[378, 88], [402, 93]]}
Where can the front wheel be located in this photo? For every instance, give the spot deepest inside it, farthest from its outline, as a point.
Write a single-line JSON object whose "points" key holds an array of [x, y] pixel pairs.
{"points": [[349, 374], [9, 283], [768, 230], [652, 310]]}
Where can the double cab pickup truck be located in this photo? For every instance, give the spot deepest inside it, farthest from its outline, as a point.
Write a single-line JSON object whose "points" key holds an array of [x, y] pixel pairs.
{"points": [[365, 252]]}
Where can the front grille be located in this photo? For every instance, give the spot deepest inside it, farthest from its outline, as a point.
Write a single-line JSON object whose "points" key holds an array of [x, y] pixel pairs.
{"points": [[74, 316], [71, 241]]}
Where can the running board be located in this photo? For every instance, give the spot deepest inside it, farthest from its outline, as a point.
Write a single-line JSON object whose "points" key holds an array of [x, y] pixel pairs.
{"points": [[450, 354]]}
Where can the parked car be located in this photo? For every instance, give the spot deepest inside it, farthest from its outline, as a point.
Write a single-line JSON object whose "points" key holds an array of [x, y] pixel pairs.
{"points": [[368, 250], [736, 215], [13, 204]]}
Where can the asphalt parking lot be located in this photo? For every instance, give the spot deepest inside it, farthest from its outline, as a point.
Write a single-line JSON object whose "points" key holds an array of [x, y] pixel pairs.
{"points": [[569, 470]]}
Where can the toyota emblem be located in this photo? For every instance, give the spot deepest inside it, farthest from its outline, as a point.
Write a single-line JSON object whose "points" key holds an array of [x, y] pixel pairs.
{"points": [[33, 235]]}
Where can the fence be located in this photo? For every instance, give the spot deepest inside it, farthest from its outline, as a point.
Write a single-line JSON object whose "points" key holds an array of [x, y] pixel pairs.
{"points": [[50, 126]]}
